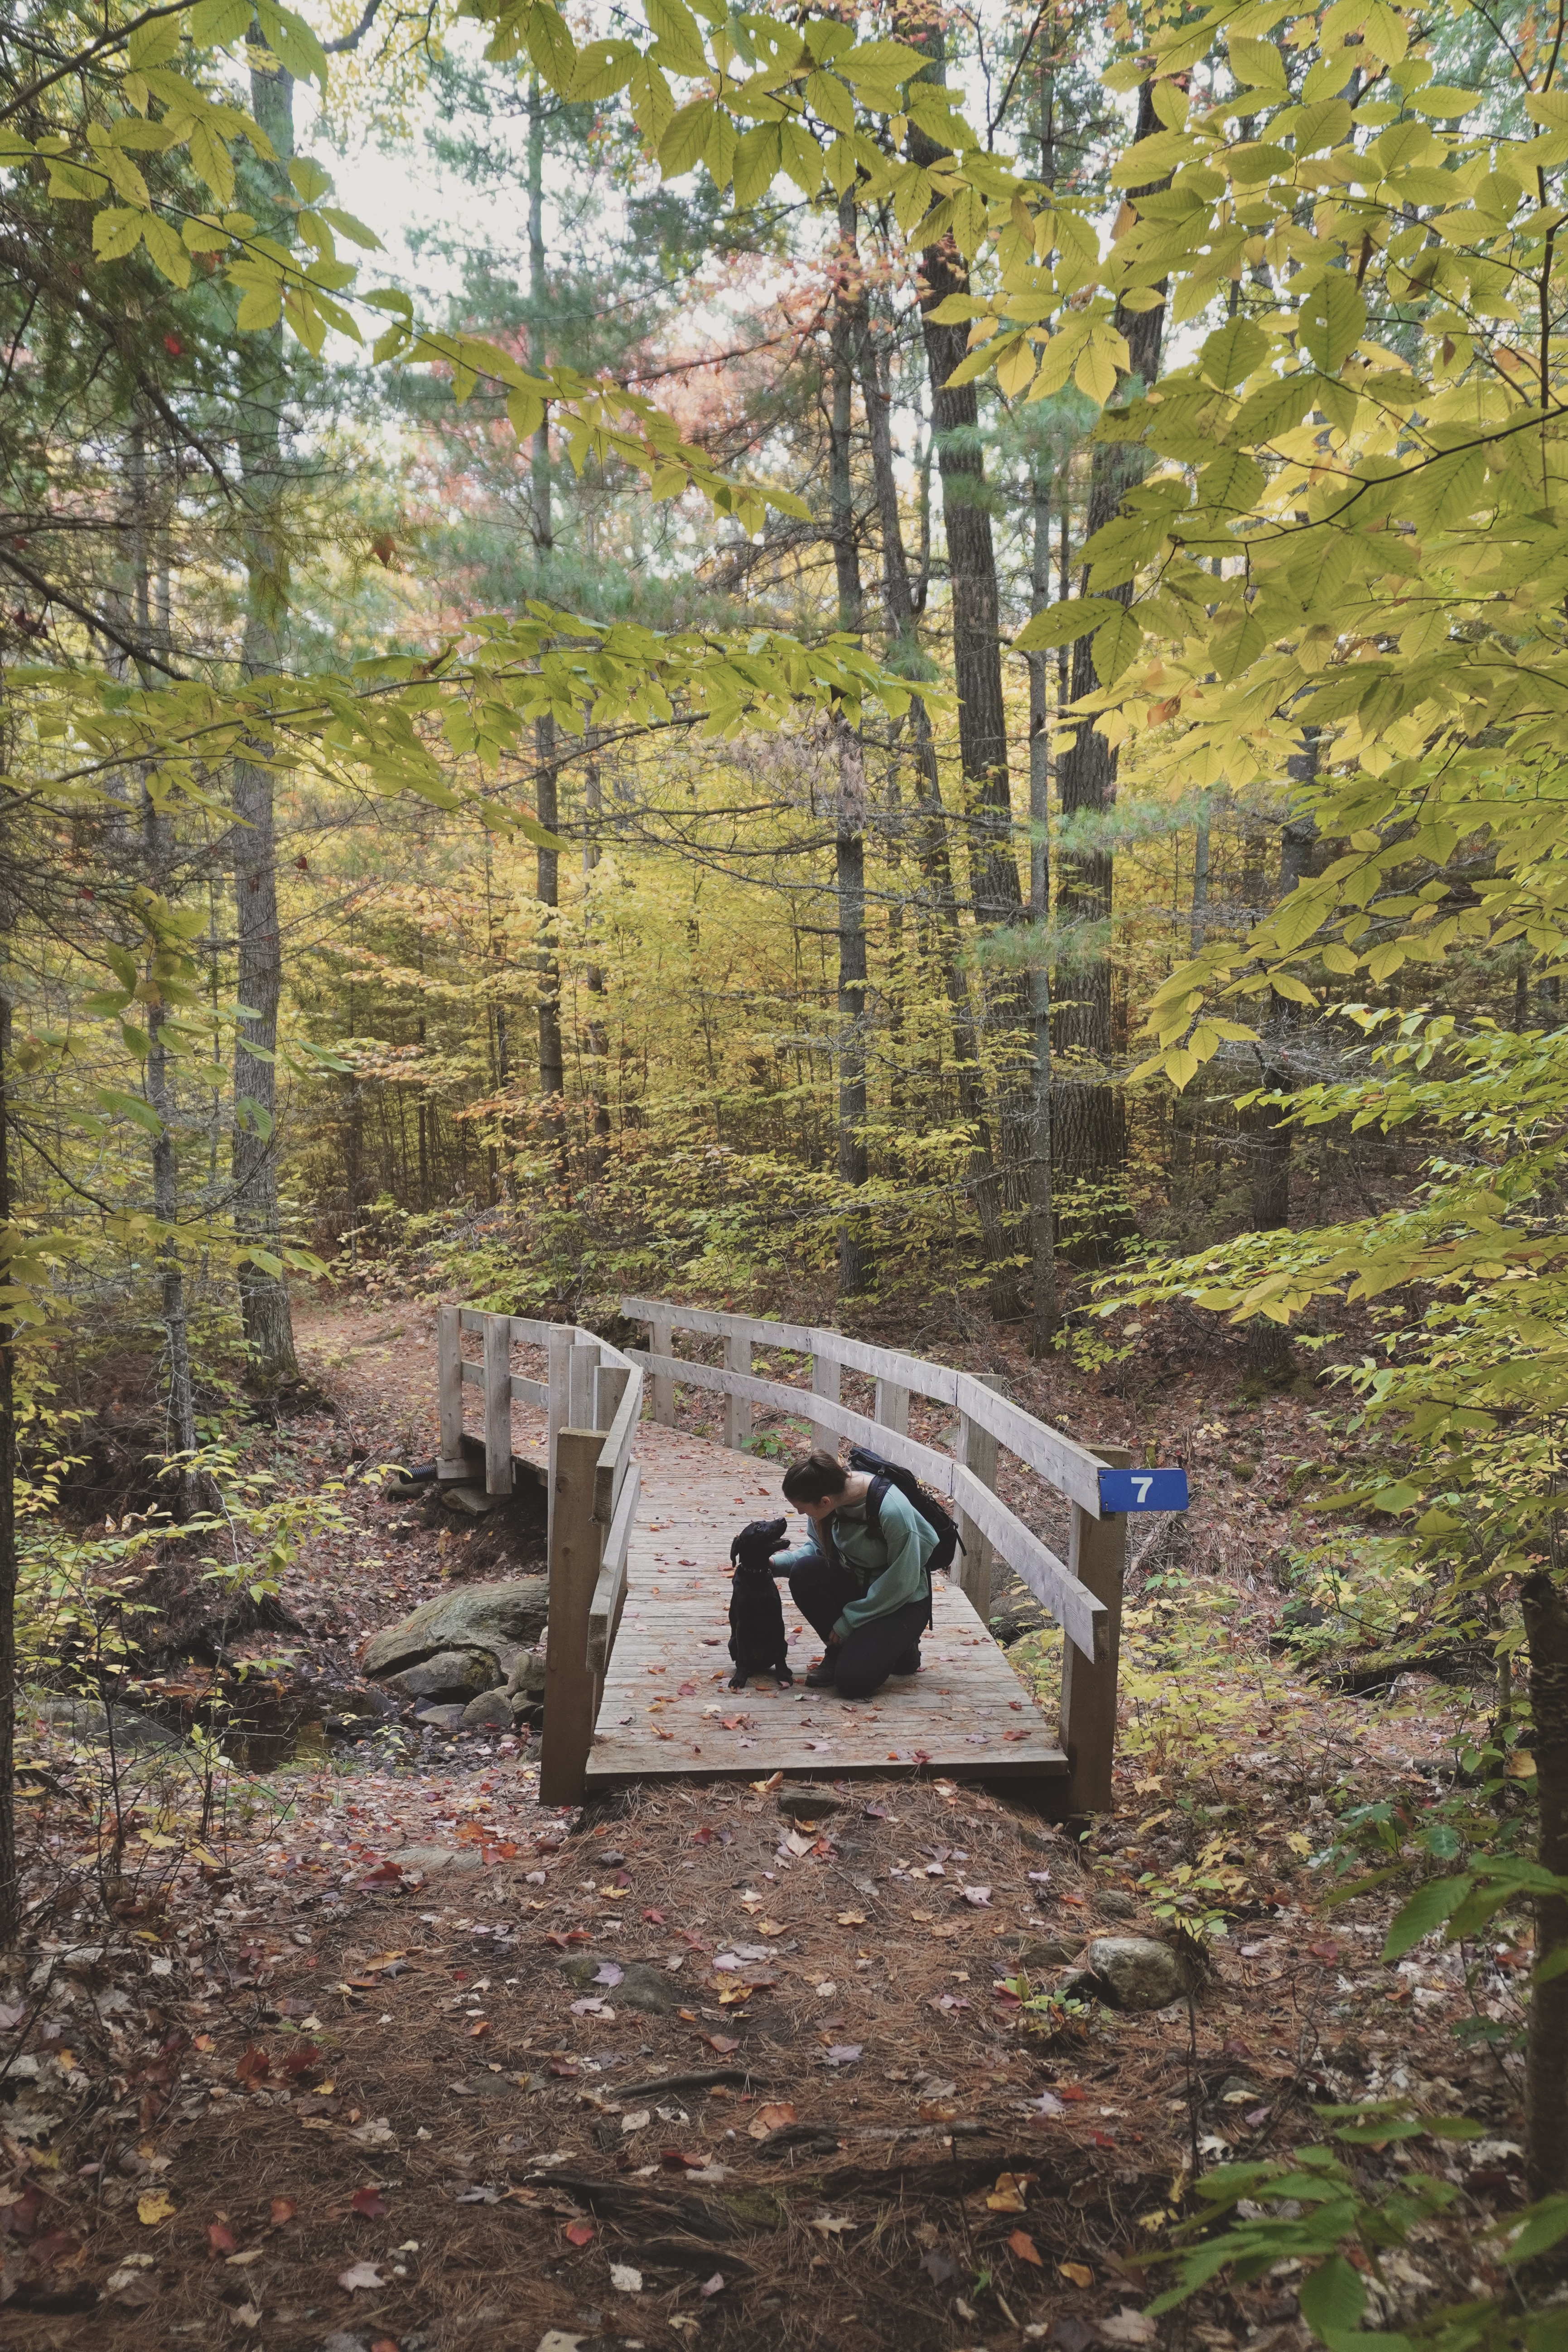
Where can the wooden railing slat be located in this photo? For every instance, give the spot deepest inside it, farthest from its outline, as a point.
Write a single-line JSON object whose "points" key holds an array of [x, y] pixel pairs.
{"points": [[498, 1404], [1074, 1469], [609, 1593]]}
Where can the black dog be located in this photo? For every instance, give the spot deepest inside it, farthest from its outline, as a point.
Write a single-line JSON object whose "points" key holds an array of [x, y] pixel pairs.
{"points": [[758, 1642]]}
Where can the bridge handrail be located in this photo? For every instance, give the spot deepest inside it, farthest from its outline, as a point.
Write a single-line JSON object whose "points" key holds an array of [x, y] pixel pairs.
{"points": [[1083, 1593], [594, 1396]]}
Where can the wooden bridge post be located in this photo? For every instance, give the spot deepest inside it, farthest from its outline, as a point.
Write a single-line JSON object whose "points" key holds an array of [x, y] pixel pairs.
{"points": [[559, 1357], [449, 1377], [1098, 1557], [825, 1380], [498, 1404], [892, 1407], [661, 1342], [737, 1409], [978, 1452], [576, 1546], [609, 1387], [582, 1369]]}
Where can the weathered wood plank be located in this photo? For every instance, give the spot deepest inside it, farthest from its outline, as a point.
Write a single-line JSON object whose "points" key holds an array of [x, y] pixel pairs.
{"points": [[621, 1429], [965, 1713], [449, 1379], [610, 1592], [1073, 1469], [497, 1405], [575, 1552], [737, 1410], [1089, 1690]]}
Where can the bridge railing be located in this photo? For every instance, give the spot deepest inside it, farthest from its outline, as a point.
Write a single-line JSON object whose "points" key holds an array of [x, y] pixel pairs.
{"points": [[1083, 1593], [592, 1397]]}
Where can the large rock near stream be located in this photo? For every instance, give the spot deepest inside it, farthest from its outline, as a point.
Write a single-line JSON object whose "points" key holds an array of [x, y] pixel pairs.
{"points": [[496, 1618], [449, 1674]]}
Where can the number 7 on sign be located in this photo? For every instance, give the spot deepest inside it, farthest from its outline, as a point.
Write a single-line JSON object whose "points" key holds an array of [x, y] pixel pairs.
{"points": [[1142, 1490]]}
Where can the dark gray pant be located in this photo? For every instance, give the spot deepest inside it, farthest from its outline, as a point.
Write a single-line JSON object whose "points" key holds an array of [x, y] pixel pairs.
{"points": [[863, 1662]]}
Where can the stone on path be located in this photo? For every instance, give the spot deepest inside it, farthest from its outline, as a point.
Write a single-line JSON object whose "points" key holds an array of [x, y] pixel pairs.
{"points": [[640, 1987], [1134, 1972], [809, 1805], [493, 1617]]}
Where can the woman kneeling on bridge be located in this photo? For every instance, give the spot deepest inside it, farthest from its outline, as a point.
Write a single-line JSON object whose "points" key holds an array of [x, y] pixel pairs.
{"points": [[862, 1578]]}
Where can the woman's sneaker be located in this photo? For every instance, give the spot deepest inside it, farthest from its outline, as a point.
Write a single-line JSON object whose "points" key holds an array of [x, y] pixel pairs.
{"points": [[908, 1662], [824, 1675]]}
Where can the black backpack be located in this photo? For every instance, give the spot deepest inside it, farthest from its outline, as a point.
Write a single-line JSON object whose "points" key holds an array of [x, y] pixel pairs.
{"points": [[943, 1526]]}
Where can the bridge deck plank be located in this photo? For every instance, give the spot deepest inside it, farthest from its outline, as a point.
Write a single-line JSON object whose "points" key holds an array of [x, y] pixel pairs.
{"points": [[966, 1715]]}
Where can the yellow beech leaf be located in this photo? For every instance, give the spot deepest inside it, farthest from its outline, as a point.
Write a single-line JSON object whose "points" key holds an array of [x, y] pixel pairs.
{"points": [[155, 2207]]}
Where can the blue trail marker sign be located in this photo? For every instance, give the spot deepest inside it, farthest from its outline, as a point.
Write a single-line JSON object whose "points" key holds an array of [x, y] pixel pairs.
{"points": [[1142, 1490]]}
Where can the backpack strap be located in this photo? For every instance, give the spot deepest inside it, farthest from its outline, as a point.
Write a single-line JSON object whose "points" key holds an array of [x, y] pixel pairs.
{"points": [[874, 1494]]}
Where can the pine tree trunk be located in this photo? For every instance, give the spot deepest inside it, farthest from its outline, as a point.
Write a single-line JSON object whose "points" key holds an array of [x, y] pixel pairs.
{"points": [[1546, 2035], [263, 1295], [1090, 1120]]}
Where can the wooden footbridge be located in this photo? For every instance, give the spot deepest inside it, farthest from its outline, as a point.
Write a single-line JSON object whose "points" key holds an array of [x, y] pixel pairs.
{"points": [[642, 1512]]}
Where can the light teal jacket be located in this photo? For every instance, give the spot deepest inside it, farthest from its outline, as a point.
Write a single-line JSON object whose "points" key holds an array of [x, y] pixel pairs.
{"points": [[890, 1569]]}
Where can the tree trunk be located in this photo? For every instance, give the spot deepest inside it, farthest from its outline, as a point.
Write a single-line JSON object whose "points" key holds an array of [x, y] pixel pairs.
{"points": [[157, 853], [263, 1295], [981, 712], [552, 1058], [1042, 1219], [598, 1036], [1546, 2033], [849, 327], [936, 866], [854, 1255], [1271, 1134], [1090, 1123], [10, 1886]]}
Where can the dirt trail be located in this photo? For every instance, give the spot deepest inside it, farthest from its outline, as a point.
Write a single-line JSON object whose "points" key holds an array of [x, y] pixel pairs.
{"points": [[406, 2061]]}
